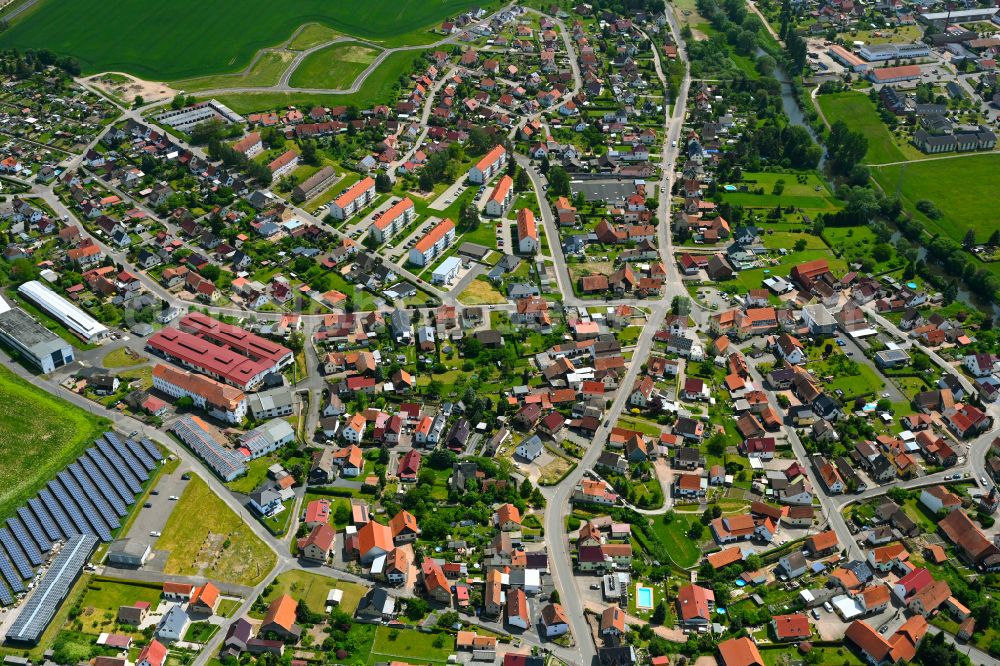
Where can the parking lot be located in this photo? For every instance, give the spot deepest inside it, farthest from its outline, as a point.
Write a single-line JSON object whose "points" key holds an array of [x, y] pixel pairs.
{"points": [[150, 520]]}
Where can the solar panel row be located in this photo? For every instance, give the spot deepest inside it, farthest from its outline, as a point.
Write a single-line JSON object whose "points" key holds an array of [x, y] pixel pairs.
{"points": [[87, 510], [66, 526], [6, 598], [7, 569], [133, 463], [34, 529], [27, 544], [97, 459], [151, 449], [94, 496], [80, 524], [98, 479], [148, 461], [116, 463], [45, 519], [16, 554]]}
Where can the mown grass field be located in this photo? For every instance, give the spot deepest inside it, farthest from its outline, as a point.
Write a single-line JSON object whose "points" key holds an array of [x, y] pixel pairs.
{"points": [[266, 71], [311, 35], [859, 113], [804, 195], [962, 189], [673, 536], [335, 66], [188, 38], [39, 435], [312, 589], [205, 537], [410, 646], [377, 89]]}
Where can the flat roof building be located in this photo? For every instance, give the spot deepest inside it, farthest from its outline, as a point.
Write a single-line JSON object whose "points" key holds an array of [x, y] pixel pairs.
{"points": [[67, 314], [446, 271], [36, 344]]}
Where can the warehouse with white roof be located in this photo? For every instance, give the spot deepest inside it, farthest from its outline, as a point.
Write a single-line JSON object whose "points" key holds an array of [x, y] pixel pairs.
{"points": [[67, 314]]}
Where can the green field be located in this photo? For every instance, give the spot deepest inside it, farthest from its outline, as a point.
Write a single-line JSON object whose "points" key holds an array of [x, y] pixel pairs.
{"points": [[39, 435], [266, 71], [312, 589], [335, 66], [673, 536], [810, 195], [205, 538], [409, 645], [188, 38], [312, 35], [859, 113], [377, 88], [961, 188]]}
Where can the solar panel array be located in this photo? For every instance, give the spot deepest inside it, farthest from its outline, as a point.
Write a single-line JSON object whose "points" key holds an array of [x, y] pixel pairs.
{"points": [[8, 571], [110, 496], [115, 462], [16, 554], [45, 519], [127, 456], [83, 503], [41, 607], [35, 529], [27, 544], [62, 520], [91, 514]]}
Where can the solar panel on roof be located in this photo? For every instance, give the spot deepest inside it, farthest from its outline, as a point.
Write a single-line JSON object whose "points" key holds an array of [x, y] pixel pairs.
{"points": [[7, 569], [41, 607], [16, 554], [34, 528], [60, 494], [119, 466], [127, 456], [85, 508], [151, 449], [24, 539], [99, 480], [140, 453], [66, 526], [112, 475], [94, 496], [6, 598]]}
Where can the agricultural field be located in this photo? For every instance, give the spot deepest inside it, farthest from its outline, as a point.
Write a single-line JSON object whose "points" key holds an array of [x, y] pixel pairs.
{"points": [[188, 38], [962, 190], [335, 66], [859, 113], [204, 535], [39, 435]]}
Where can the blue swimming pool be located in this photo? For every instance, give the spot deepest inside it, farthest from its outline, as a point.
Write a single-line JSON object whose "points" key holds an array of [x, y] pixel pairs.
{"points": [[643, 597]]}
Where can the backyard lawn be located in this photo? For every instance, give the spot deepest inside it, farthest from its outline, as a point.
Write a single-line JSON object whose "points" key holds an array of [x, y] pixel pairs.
{"points": [[312, 589], [855, 109], [673, 536], [39, 435], [205, 537], [810, 195], [415, 647]]}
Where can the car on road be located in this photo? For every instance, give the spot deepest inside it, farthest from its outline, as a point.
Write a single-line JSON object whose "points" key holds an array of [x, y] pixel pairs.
{"points": [[174, 498], [982, 480], [841, 342], [885, 395], [148, 505], [154, 492], [154, 534]]}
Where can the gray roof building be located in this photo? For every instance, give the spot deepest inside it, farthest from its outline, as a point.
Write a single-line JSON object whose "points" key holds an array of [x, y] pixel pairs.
{"points": [[36, 344]]}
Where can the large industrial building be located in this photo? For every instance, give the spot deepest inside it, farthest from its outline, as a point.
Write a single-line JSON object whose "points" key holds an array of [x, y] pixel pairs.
{"points": [[67, 314], [36, 344]]}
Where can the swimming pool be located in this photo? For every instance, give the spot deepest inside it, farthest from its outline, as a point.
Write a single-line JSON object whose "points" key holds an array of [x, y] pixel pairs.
{"points": [[643, 597]]}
